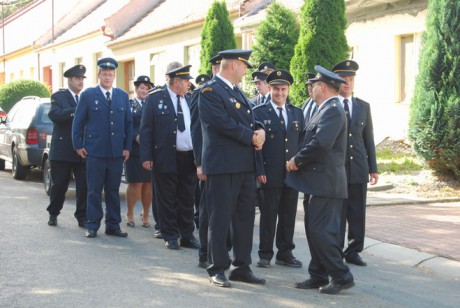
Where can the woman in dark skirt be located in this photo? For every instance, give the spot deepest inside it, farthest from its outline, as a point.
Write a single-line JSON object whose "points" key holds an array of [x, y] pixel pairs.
{"points": [[138, 178]]}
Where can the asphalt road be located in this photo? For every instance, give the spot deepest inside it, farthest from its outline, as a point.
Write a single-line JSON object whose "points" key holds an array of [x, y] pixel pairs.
{"points": [[43, 266]]}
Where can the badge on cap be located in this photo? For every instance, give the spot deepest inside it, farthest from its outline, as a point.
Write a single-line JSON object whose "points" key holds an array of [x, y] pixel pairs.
{"points": [[278, 73]]}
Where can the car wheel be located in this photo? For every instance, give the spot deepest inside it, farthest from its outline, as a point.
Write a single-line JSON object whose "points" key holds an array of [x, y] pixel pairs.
{"points": [[18, 170], [47, 176], [2, 164]]}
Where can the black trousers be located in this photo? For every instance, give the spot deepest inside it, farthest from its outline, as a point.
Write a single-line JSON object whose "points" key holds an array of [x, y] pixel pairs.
{"points": [[176, 198], [279, 203], [204, 226], [60, 178], [155, 202], [354, 213], [322, 225], [231, 198]]}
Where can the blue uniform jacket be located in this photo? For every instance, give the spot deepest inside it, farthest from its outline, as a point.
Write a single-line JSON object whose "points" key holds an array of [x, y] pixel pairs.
{"points": [[227, 124], [279, 147], [158, 131], [321, 160], [62, 112], [360, 159], [102, 130]]}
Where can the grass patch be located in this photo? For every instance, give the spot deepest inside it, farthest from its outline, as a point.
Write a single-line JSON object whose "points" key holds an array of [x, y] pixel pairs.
{"points": [[397, 163]]}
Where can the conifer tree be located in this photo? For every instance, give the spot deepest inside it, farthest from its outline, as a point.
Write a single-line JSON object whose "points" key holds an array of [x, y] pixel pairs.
{"points": [[276, 37], [216, 35], [321, 41], [434, 125]]}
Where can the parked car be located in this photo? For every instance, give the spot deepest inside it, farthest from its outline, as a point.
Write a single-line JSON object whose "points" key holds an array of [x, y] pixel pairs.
{"points": [[24, 134], [2, 115]]}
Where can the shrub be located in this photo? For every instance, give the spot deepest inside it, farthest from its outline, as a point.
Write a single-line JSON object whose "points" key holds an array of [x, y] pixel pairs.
{"points": [[14, 91]]}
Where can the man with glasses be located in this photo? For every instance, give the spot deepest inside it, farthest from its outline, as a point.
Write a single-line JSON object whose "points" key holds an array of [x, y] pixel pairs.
{"points": [[318, 170], [102, 133]]}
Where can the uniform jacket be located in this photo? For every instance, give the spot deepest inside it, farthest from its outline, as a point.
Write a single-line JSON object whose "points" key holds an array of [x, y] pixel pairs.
{"points": [[257, 100], [197, 138], [279, 146], [136, 111], [102, 130], [158, 131], [321, 160], [307, 106], [227, 124], [62, 112], [360, 159]]}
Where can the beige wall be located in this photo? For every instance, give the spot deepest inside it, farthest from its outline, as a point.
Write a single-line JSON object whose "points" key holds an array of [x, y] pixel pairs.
{"points": [[376, 46]]}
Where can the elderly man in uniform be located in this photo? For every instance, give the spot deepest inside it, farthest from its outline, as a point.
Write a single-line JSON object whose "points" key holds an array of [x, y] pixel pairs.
{"points": [[102, 132], [230, 137], [284, 124], [360, 162], [166, 149], [63, 159], [318, 170]]}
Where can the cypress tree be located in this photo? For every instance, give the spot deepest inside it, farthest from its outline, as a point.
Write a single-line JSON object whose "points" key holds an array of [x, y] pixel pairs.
{"points": [[434, 125], [216, 35], [276, 37], [321, 41]]}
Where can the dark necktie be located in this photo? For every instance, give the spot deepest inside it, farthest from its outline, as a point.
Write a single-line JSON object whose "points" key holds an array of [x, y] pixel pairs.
{"points": [[142, 104], [280, 115], [109, 100], [180, 116], [76, 98], [262, 101], [347, 112], [314, 108]]}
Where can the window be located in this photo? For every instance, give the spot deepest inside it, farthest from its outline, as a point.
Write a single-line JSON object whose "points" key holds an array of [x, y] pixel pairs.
{"points": [[157, 68]]}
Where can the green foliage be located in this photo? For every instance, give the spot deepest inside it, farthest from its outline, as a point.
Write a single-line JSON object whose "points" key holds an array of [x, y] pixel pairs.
{"points": [[276, 37], [322, 41], [11, 7], [14, 91], [216, 35], [390, 162], [434, 125]]}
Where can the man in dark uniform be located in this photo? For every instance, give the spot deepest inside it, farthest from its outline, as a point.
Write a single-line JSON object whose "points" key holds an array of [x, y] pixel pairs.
{"points": [[283, 123], [197, 140], [63, 158], [230, 137], [309, 107], [319, 171], [200, 80], [360, 162], [263, 89], [266, 68], [102, 132], [166, 148]]}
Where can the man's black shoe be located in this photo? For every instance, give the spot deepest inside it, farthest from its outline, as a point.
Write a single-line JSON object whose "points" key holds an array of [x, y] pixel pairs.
{"points": [[82, 224], [311, 283], [172, 244], [91, 233], [247, 277], [220, 280], [117, 233], [293, 262], [356, 260], [190, 243], [335, 287], [53, 220]]}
